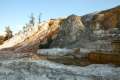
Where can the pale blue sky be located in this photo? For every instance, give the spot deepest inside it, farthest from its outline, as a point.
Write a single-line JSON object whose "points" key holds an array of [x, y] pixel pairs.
{"points": [[17, 12]]}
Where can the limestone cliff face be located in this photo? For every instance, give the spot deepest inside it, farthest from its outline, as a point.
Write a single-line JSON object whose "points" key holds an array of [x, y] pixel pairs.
{"points": [[29, 40], [89, 31], [41, 36], [69, 32], [20, 61], [105, 20], [74, 31]]}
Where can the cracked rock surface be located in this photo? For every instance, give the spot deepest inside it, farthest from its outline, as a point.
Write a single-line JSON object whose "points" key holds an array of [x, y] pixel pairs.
{"points": [[46, 70]]}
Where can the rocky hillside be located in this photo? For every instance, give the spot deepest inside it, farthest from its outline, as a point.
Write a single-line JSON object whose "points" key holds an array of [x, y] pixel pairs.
{"points": [[30, 39], [70, 30], [72, 48], [105, 20], [95, 30], [88, 31]]}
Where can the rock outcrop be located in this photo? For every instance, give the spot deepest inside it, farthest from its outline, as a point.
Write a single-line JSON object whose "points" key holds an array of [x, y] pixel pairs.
{"points": [[30, 40], [83, 43], [107, 19], [69, 33], [89, 31], [45, 70]]}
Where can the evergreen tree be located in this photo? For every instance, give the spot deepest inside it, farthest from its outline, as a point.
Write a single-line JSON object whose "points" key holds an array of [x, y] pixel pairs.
{"points": [[32, 19], [40, 18], [8, 33]]}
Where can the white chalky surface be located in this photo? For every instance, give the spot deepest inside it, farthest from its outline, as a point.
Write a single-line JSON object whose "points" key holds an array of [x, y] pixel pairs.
{"points": [[46, 70]]}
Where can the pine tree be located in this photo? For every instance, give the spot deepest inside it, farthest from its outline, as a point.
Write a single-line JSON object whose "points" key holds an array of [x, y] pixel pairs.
{"points": [[32, 19], [40, 18], [9, 33]]}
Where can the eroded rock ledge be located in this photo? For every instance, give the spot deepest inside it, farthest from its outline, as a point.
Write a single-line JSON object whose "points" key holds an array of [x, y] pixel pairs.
{"points": [[46, 70]]}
